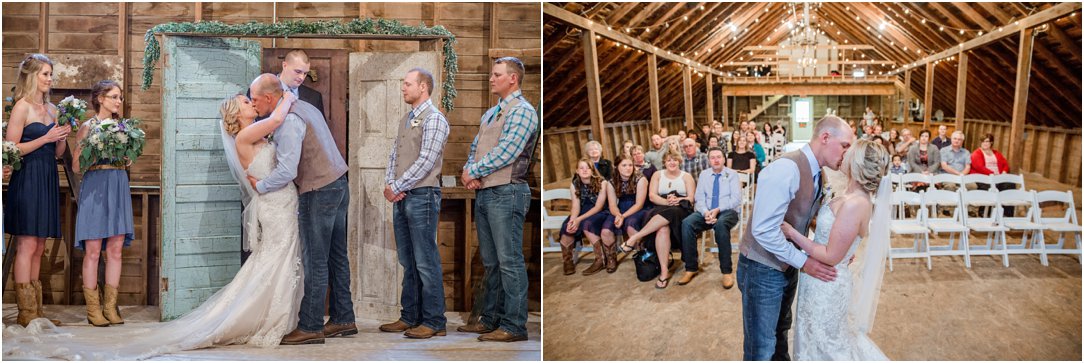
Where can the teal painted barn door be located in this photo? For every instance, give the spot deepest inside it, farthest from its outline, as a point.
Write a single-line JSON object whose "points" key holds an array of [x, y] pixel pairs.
{"points": [[201, 208]]}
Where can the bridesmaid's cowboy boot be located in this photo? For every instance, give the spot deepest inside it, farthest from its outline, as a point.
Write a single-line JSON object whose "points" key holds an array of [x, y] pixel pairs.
{"points": [[28, 304], [566, 259], [109, 309], [94, 307], [611, 257], [41, 310], [600, 260]]}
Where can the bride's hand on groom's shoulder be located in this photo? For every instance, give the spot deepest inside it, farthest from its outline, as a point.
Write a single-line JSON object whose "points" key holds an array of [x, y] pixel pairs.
{"points": [[289, 98]]}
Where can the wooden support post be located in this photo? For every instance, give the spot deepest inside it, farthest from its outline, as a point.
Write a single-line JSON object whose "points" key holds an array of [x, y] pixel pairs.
{"points": [[653, 81], [687, 85], [907, 96], [199, 11], [928, 101], [724, 104], [1020, 101], [43, 27], [122, 51], [710, 100], [594, 91], [961, 91], [494, 36]]}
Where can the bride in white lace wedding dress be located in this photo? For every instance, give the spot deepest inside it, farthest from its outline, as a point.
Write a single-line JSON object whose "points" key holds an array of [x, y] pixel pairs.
{"points": [[833, 319], [258, 307]]}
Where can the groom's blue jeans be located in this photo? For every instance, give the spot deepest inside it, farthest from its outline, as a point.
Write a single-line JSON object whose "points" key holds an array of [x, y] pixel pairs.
{"points": [[415, 218], [766, 297], [322, 217], [499, 214]]}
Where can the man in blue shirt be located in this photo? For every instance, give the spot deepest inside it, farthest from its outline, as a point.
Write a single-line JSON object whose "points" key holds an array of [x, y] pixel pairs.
{"points": [[718, 197]]}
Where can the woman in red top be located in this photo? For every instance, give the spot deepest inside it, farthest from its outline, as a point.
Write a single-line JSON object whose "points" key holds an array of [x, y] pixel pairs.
{"points": [[987, 161]]}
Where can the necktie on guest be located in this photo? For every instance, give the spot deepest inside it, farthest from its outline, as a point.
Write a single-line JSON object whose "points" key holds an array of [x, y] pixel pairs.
{"points": [[715, 192], [410, 116]]}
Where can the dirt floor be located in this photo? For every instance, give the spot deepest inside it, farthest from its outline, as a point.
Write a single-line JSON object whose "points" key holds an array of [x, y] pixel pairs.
{"points": [[1026, 311]]}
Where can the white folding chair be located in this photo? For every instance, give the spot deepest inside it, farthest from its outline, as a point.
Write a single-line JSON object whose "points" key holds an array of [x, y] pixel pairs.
{"points": [[969, 179], [992, 225], [1065, 224], [932, 199], [907, 179], [910, 226], [746, 210], [553, 222], [1008, 178], [1029, 223], [944, 178]]}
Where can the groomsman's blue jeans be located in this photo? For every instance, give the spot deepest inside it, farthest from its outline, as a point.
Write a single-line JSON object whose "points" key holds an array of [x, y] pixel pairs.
{"points": [[322, 216], [766, 297], [499, 214], [415, 219]]}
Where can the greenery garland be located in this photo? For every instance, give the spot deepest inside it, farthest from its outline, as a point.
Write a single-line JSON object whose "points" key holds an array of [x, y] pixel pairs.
{"points": [[285, 29]]}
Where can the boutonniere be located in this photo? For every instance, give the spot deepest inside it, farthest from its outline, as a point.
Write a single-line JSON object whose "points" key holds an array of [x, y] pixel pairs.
{"points": [[415, 122]]}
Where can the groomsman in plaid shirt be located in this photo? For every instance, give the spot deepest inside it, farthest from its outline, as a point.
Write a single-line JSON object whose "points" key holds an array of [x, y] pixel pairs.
{"points": [[413, 185], [497, 168]]}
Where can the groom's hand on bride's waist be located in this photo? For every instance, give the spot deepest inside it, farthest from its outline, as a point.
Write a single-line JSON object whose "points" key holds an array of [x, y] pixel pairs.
{"points": [[819, 270], [253, 181]]}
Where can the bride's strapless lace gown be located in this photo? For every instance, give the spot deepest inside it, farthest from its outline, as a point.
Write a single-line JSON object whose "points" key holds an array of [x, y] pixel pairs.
{"points": [[822, 327], [258, 307]]}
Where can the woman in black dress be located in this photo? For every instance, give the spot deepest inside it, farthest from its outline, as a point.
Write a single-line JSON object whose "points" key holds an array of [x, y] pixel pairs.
{"points": [[32, 206]]}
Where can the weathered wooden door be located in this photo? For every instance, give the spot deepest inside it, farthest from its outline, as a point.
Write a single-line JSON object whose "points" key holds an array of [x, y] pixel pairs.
{"points": [[201, 208], [376, 106]]}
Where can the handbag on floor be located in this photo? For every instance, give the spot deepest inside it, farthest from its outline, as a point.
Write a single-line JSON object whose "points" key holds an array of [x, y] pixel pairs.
{"points": [[647, 265]]}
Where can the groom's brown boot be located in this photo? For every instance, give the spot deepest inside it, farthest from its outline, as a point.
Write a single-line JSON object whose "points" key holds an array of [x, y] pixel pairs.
{"points": [[332, 330], [299, 336], [600, 260]]}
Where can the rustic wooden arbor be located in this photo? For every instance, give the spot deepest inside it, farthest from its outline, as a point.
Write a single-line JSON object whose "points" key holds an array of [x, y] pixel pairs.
{"points": [[200, 200]]}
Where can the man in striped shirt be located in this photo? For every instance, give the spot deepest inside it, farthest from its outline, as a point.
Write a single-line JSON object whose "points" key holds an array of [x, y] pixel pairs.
{"points": [[497, 167], [413, 185]]}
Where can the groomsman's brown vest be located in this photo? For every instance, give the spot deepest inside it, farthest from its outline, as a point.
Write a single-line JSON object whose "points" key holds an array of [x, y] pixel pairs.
{"points": [[801, 210], [320, 162], [516, 172], [409, 149]]}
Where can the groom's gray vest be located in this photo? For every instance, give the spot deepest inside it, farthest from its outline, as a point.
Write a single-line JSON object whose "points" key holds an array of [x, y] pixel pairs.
{"points": [[320, 162], [800, 212]]}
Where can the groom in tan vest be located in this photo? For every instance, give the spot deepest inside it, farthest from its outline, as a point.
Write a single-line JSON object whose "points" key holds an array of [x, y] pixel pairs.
{"points": [[306, 155], [790, 190]]}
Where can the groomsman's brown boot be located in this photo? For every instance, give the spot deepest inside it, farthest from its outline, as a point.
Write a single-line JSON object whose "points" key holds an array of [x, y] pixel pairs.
{"points": [[109, 309], [94, 307], [600, 260], [611, 257], [476, 327], [397, 327], [339, 330], [424, 332], [566, 259], [299, 336], [41, 310], [27, 302]]}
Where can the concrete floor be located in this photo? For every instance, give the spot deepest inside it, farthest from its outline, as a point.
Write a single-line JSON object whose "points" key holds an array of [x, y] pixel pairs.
{"points": [[989, 312], [368, 344]]}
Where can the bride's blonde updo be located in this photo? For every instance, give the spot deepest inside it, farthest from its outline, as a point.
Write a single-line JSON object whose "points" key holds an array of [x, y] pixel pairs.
{"points": [[231, 114], [866, 162]]}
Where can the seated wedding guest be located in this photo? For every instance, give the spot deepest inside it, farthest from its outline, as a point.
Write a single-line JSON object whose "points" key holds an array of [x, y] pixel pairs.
{"points": [[671, 191], [626, 149], [903, 144], [717, 128], [32, 202], [642, 166], [627, 198], [705, 131], [764, 134], [682, 135], [742, 159], [758, 150], [412, 183], [589, 191], [662, 131], [594, 152], [654, 156], [693, 161], [942, 140], [924, 157], [718, 197], [898, 167], [955, 159], [713, 141], [105, 212], [988, 161]]}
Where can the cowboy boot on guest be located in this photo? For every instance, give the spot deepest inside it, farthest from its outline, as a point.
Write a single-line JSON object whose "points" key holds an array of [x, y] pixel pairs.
{"points": [[566, 259], [600, 260]]}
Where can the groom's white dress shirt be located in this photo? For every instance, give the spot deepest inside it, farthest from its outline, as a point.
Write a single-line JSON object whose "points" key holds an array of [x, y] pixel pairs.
{"points": [[776, 187]]}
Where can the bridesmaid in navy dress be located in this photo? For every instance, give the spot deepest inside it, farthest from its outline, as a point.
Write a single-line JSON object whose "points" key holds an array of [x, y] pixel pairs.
{"points": [[32, 207], [105, 212]]}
